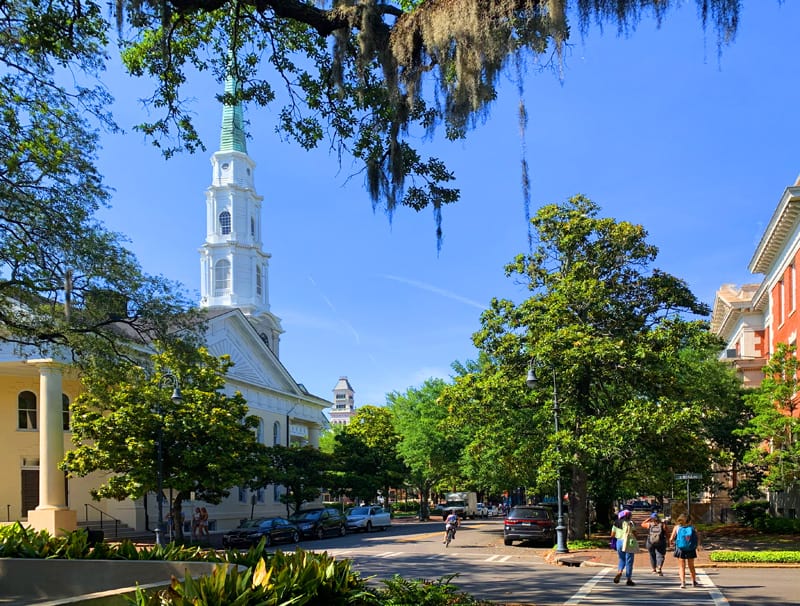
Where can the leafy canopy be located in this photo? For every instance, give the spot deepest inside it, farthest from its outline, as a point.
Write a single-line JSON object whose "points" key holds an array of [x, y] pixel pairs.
{"points": [[208, 439]]}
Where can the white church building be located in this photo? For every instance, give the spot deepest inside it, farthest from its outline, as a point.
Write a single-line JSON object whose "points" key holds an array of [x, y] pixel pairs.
{"points": [[234, 287]]}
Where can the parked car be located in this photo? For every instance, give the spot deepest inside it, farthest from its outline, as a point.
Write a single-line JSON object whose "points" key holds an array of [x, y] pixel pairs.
{"points": [[319, 522], [272, 530], [481, 510], [493, 511], [368, 517], [529, 522]]}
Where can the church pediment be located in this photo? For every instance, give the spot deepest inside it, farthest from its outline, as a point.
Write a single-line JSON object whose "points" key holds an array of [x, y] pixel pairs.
{"points": [[253, 362]]}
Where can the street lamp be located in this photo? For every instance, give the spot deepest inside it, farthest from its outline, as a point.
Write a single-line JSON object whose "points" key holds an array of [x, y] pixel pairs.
{"points": [[561, 530], [176, 398]]}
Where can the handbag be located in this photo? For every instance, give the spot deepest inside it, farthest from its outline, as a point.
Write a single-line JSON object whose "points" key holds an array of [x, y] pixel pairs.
{"points": [[630, 544]]}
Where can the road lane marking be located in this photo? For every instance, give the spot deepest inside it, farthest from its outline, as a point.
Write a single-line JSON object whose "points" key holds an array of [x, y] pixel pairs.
{"points": [[713, 590], [587, 587]]}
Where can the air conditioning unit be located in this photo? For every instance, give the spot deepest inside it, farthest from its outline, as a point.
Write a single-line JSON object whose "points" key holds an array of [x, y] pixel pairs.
{"points": [[731, 354]]}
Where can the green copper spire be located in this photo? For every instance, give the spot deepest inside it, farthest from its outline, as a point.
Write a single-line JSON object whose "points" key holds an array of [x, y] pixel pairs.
{"points": [[232, 137]]}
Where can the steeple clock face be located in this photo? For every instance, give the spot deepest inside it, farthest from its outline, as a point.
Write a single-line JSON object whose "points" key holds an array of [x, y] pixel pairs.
{"points": [[225, 166]]}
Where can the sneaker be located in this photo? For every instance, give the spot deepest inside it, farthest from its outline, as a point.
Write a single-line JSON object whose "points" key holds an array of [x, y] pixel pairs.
{"points": [[655, 571], [661, 574], [683, 585], [617, 577], [695, 584], [629, 582]]}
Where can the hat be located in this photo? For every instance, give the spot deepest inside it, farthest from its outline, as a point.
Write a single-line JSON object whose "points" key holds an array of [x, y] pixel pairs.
{"points": [[623, 513]]}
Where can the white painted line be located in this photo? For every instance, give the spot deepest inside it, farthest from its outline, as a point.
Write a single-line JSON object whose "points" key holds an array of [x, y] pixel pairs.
{"points": [[584, 591], [713, 590], [505, 558], [492, 558]]}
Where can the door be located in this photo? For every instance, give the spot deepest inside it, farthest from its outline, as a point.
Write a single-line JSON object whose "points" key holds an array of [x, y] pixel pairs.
{"points": [[30, 491]]}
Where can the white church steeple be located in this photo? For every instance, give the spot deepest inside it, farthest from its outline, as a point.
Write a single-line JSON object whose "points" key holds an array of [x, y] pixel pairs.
{"points": [[233, 266]]}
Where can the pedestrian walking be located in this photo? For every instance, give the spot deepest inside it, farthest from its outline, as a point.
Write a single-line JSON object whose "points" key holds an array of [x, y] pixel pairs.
{"points": [[196, 522], [656, 542], [685, 540], [627, 545], [203, 526]]}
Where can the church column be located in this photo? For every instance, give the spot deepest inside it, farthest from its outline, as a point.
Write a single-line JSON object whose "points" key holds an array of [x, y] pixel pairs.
{"points": [[51, 514]]}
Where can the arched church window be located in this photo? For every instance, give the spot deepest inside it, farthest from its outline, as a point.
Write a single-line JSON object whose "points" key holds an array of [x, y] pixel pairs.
{"points": [[259, 280], [26, 405], [253, 226], [66, 418], [222, 277], [225, 222], [276, 433], [260, 431]]}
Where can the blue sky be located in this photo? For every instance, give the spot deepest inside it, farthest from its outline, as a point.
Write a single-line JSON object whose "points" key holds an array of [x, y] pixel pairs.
{"points": [[655, 127]]}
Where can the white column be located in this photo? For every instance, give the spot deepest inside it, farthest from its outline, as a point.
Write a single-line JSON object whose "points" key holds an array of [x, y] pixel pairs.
{"points": [[51, 439], [51, 514]]}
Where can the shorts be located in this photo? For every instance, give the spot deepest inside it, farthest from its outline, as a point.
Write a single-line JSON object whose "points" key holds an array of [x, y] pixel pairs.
{"points": [[685, 554]]}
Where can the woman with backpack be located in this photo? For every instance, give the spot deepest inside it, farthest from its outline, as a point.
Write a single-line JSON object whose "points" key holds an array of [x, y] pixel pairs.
{"points": [[626, 545], [684, 538], [656, 541]]}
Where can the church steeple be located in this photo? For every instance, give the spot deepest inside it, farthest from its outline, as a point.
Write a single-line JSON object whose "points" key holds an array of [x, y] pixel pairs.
{"points": [[233, 136], [234, 267]]}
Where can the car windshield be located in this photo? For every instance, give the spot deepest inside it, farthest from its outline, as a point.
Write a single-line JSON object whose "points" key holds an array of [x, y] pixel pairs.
{"points": [[529, 513], [358, 511], [305, 515]]}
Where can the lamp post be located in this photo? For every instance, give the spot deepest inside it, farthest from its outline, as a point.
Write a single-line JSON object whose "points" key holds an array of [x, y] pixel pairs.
{"points": [[176, 398], [561, 530]]}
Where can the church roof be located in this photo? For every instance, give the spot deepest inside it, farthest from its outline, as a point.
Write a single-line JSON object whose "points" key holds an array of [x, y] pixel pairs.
{"points": [[343, 385]]}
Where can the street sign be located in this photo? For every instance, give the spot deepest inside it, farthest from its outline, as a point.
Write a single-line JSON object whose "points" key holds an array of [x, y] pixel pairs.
{"points": [[688, 476]]}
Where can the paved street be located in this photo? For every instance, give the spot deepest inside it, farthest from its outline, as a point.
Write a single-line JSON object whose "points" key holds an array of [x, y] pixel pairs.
{"points": [[518, 574]]}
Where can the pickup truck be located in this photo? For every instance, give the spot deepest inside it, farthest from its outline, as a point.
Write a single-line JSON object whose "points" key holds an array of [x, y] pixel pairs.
{"points": [[368, 517]]}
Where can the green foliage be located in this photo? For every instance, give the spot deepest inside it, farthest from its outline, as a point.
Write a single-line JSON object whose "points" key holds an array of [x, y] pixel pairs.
{"points": [[431, 445], [208, 441], [772, 525], [403, 592], [70, 274], [748, 512], [612, 341], [297, 578], [366, 455], [301, 470], [761, 557], [775, 425]]}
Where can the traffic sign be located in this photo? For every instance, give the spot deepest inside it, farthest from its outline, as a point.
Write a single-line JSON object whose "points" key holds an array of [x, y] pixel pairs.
{"points": [[688, 476]]}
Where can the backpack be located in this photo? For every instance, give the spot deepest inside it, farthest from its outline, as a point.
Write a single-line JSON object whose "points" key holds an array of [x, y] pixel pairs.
{"points": [[655, 534], [686, 539]]}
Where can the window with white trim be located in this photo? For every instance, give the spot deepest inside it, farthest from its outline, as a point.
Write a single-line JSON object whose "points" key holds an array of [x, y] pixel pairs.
{"points": [[26, 405], [225, 222], [222, 277]]}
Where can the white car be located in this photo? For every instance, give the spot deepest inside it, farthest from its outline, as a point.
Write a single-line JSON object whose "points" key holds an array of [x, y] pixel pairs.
{"points": [[481, 510], [493, 511]]}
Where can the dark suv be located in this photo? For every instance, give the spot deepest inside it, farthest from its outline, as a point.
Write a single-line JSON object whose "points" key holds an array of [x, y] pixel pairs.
{"points": [[529, 522], [319, 522]]}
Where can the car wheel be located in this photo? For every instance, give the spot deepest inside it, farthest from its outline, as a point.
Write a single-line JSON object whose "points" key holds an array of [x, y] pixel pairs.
{"points": [[507, 541], [320, 533], [295, 537], [369, 526], [342, 531]]}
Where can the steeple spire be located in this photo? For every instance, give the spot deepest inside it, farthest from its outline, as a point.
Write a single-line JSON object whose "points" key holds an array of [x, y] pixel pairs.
{"points": [[232, 137]]}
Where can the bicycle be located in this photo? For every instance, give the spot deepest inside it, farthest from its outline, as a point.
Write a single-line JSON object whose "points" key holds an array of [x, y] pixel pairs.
{"points": [[451, 533]]}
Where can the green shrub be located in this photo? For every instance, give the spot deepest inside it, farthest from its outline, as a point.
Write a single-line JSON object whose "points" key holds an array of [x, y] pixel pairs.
{"points": [[296, 578], [777, 525], [419, 592], [764, 557], [750, 511]]}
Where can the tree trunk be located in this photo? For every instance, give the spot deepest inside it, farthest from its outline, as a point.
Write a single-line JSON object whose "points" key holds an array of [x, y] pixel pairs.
{"points": [[577, 504]]}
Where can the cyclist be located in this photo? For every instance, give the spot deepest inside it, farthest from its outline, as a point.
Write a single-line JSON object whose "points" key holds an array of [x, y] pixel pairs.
{"points": [[450, 522]]}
